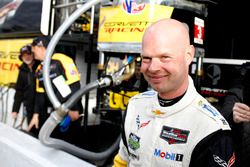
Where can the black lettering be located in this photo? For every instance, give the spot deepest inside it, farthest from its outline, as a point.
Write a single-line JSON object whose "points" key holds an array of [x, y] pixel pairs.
{"points": [[179, 157]]}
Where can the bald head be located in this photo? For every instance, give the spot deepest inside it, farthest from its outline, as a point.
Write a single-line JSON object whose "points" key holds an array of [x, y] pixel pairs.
{"points": [[168, 29]]}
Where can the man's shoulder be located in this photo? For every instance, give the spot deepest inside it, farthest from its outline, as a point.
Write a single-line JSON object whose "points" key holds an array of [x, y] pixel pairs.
{"points": [[211, 113], [63, 60], [145, 95], [24, 67], [62, 57]]}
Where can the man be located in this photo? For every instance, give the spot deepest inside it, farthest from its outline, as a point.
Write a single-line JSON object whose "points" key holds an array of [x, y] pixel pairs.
{"points": [[172, 125], [25, 85], [237, 112], [66, 80]]}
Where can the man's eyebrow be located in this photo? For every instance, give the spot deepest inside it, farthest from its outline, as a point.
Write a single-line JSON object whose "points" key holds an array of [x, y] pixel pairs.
{"points": [[143, 55]]}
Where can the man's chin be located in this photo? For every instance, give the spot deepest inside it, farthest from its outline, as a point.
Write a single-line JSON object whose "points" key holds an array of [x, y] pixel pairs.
{"points": [[156, 87]]}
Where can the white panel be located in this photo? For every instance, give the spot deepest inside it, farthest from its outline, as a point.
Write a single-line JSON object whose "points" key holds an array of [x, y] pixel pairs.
{"points": [[46, 9], [22, 150]]}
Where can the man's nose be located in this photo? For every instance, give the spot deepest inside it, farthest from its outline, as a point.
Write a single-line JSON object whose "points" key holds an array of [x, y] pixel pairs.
{"points": [[154, 65]]}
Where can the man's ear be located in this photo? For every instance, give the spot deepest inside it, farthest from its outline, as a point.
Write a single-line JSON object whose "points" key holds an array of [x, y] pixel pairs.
{"points": [[190, 50]]}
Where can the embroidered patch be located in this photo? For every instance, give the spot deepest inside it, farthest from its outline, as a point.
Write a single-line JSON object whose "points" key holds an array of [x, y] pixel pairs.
{"points": [[134, 157], [133, 141], [157, 112], [231, 161], [224, 122], [210, 109], [168, 155], [137, 120], [220, 161], [174, 135], [144, 124]]}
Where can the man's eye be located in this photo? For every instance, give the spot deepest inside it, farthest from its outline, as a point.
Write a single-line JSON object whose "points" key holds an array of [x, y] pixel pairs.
{"points": [[146, 59], [165, 58]]}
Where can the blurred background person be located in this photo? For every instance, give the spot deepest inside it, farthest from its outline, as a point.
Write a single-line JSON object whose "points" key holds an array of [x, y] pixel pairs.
{"points": [[25, 84], [65, 82], [236, 109]]}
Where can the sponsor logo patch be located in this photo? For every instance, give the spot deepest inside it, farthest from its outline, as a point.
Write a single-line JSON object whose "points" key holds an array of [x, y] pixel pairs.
{"points": [[231, 160], [133, 141], [144, 124], [210, 109], [174, 135], [135, 157], [222, 162], [157, 112], [224, 122], [168, 155], [137, 120]]}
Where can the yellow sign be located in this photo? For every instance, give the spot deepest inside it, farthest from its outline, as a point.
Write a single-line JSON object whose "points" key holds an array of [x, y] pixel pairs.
{"points": [[9, 61], [120, 100], [117, 24]]}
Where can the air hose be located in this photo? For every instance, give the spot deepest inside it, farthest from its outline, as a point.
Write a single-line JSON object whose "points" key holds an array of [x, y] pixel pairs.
{"points": [[58, 115]]}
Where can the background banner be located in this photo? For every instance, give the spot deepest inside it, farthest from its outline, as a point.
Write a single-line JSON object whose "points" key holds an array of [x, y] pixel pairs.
{"points": [[121, 27], [9, 61]]}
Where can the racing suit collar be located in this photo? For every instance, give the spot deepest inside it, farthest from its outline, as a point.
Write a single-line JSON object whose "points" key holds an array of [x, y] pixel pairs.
{"points": [[189, 96]]}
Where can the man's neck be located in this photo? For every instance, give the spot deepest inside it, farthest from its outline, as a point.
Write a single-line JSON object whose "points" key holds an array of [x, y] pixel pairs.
{"points": [[169, 102]]}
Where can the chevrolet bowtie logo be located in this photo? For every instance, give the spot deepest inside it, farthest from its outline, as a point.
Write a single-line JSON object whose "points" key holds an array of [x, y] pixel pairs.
{"points": [[157, 112]]}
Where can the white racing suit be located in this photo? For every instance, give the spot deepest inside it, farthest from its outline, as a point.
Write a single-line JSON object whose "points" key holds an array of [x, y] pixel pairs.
{"points": [[189, 133]]}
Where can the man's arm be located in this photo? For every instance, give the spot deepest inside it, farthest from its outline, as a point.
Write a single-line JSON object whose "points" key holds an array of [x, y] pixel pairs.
{"points": [[119, 162], [233, 96], [215, 150], [39, 107], [18, 97]]}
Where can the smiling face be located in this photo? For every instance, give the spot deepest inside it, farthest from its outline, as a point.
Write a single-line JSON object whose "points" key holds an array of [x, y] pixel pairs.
{"points": [[27, 58], [166, 55]]}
